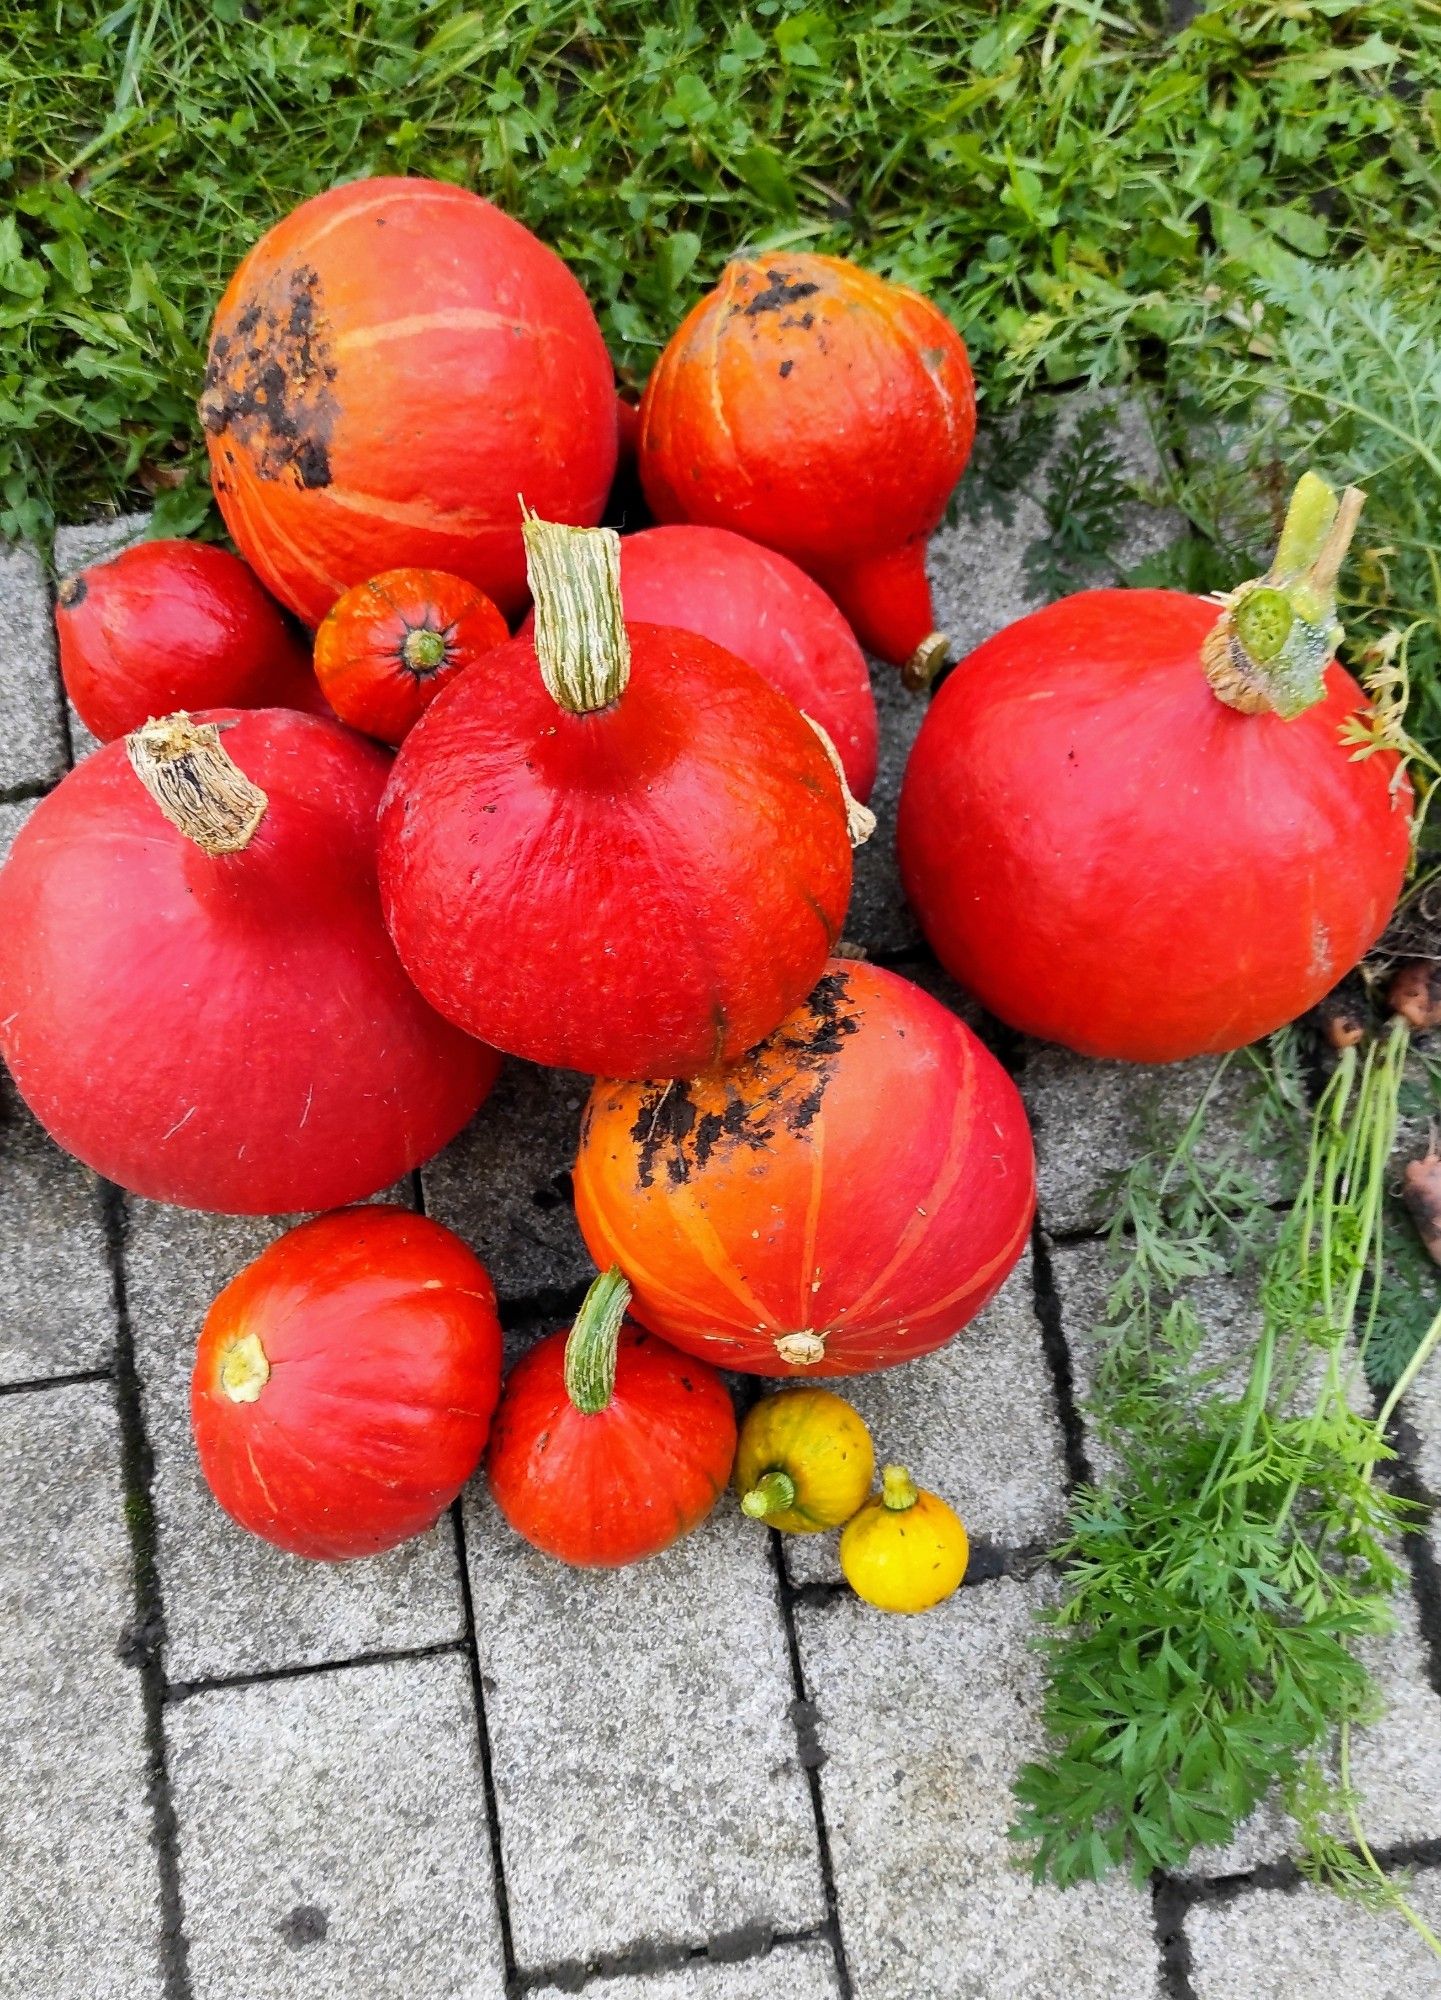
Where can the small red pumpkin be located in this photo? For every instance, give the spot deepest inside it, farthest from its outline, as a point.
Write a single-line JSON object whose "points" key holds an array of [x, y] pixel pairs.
{"points": [[168, 625], [608, 1445], [1139, 829], [811, 406], [386, 648], [616, 850], [390, 367], [344, 1383], [197, 994], [847, 1196]]}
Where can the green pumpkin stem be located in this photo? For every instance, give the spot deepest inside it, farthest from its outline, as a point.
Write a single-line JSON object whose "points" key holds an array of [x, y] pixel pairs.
{"points": [[590, 1347], [898, 1489], [773, 1493], [1268, 651], [580, 636]]}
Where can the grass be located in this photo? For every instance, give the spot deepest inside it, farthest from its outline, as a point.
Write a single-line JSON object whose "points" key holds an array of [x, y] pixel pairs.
{"points": [[1084, 186]]}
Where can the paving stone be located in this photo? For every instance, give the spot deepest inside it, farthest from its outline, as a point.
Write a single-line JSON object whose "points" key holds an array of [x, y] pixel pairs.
{"points": [[81, 1890], [333, 1838], [234, 1604], [12, 818], [1093, 1120], [924, 1722], [32, 742], [644, 1755], [76, 548], [879, 917], [56, 1305], [975, 1422], [504, 1184], [1309, 1944], [799, 1971]]}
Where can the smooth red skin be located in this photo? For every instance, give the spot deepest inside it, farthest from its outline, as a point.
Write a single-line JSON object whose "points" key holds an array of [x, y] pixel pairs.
{"points": [[885, 1222], [168, 625], [384, 1349], [766, 611], [622, 1483], [360, 646], [844, 462], [1109, 857], [232, 1033], [468, 370], [638, 892]]}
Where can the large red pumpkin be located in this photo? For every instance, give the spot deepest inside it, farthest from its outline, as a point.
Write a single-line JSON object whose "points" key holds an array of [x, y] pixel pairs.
{"points": [[765, 610], [614, 848], [1126, 830], [846, 1197], [168, 625], [810, 405], [608, 1445], [390, 367], [197, 994], [344, 1383]]}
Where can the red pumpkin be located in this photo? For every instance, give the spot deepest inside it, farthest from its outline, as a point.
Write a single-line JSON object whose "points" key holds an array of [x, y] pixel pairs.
{"points": [[617, 849], [608, 1445], [812, 406], [386, 648], [197, 994], [846, 1197], [168, 625], [390, 367], [767, 612], [344, 1383], [1126, 832]]}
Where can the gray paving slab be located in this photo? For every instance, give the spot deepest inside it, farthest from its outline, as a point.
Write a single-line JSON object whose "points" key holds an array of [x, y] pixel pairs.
{"points": [[1311, 1945], [332, 1838], [644, 1754], [12, 818], [80, 1896], [234, 1604], [56, 1296], [32, 742], [504, 1184], [789, 1972], [975, 1422], [879, 918], [1092, 1121], [923, 1722], [76, 548]]}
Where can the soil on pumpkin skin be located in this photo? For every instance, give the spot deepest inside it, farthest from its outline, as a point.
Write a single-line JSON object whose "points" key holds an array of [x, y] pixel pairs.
{"points": [[675, 1135], [268, 380]]}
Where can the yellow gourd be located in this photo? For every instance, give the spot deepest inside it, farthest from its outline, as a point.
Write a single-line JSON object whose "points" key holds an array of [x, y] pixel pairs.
{"points": [[905, 1550], [804, 1461]]}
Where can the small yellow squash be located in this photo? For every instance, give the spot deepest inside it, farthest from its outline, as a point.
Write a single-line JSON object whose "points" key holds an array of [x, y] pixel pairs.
{"points": [[905, 1550], [804, 1462]]}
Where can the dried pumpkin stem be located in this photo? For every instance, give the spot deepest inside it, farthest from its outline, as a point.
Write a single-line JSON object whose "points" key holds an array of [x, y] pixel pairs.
{"points": [[860, 820], [580, 636], [590, 1348], [198, 786], [773, 1493], [898, 1489], [1268, 651]]}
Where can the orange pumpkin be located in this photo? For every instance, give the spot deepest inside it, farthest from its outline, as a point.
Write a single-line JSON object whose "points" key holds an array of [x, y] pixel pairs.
{"points": [[390, 368], [816, 408], [386, 649]]}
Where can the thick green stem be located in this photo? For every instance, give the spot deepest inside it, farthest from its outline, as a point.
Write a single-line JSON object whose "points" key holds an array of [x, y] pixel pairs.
{"points": [[1268, 651], [773, 1493], [590, 1348], [898, 1489], [580, 636]]}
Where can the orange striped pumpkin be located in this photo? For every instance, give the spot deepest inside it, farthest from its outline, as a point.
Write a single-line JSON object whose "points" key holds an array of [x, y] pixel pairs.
{"points": [[847, 1196], [390, 368]]}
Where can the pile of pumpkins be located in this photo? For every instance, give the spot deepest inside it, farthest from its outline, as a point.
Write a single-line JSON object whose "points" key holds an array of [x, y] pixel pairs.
{"points": [[443, 770]]}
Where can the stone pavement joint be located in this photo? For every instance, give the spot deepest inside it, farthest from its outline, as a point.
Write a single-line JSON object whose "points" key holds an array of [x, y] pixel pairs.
{"points": [[483, 1745], [1058, 1357], [180, 1690], [147, 1637]]}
